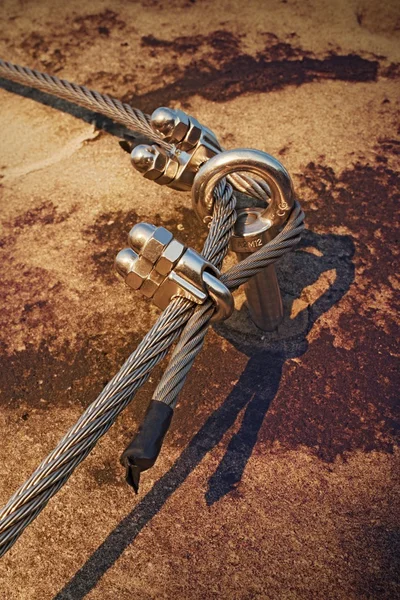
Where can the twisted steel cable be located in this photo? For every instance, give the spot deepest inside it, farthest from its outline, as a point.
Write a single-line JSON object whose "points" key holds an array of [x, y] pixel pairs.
{"points": [[269, 253], [192, 337], [215, 250], [123, 113], [54, 471], [25, 505], [111, 107]]}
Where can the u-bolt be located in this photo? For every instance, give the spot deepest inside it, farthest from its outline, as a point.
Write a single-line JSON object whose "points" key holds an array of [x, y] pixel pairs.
{"points": [[254, 226]]}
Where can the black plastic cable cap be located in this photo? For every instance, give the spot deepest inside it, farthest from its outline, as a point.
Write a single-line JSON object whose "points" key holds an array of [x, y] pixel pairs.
{"points": [[142, 452]]}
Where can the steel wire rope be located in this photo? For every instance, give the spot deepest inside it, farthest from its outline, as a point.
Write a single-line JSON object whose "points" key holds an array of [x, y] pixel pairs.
{"points": [[192, 337], [115, 109], [181, 319], [31, 498], [53, 472], [123, 113]]}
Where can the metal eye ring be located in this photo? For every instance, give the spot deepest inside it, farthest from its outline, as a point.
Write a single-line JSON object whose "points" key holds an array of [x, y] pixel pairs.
{"points": [[254, 161]]}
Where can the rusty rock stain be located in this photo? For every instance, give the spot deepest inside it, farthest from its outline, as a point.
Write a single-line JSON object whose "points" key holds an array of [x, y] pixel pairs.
{"points": [[275, 477], [225, 72]]}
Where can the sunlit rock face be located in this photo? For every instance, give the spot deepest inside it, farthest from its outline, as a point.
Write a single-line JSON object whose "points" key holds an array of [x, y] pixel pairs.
{"points": [[276, 478]]}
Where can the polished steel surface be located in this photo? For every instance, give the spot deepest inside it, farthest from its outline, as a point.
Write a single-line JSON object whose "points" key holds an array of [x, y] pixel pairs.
{"points": [[193, 144], [254, 226], [258, 163], [183, 145], [162, 269], [182, 319]]}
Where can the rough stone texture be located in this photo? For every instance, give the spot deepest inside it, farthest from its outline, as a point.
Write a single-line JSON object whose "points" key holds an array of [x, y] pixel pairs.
{"points": [[278, 477]]}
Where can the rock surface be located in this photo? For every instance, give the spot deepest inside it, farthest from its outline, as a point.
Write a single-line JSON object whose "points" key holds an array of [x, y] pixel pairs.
{"points": [[278, 477]]}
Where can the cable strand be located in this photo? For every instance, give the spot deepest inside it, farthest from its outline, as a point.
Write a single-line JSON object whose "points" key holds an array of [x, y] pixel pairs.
{"points": [[132, 118], [182, 321]]}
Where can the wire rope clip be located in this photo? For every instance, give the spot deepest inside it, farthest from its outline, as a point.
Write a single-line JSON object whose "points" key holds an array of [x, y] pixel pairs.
{"points": [[193, 144], [162, 268]]}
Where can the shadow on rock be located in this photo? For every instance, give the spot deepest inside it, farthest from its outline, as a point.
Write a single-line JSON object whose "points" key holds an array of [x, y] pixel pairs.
{"points": [[254, 393], [268, 352], [84, 114]]}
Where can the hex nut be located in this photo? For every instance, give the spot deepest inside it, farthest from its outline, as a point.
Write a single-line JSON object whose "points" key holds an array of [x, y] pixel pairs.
{"points": [[170, 171], [169, 257], [139, 235], [125, 262], [172, 124], [149, 160], [155, 245], [134, 280], [160, 158], [193, 135], [151, 284], [143, 267], [166, 292]]}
